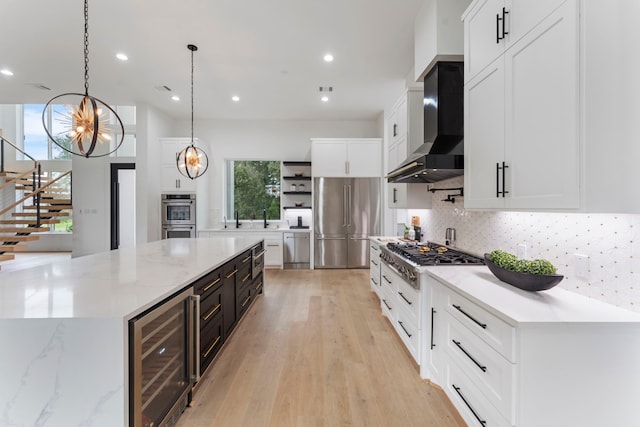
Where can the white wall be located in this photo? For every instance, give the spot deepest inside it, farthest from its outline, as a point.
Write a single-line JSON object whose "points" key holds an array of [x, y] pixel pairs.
{"points": [[259, 140]]}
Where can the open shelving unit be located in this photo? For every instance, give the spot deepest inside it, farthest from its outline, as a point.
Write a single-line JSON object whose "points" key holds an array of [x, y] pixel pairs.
{"points": [[296, 173]]}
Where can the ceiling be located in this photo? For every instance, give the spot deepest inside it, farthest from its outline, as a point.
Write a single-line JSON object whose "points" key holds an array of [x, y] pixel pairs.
{"points": [[268, 52]]}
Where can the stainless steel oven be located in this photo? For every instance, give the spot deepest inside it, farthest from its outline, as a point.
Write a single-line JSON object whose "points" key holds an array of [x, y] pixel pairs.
{"points": [[163, 360], [173, 231], [178, 209]]}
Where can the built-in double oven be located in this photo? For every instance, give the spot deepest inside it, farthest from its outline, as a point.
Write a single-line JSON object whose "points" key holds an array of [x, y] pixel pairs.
{"points": [[178, 215]]}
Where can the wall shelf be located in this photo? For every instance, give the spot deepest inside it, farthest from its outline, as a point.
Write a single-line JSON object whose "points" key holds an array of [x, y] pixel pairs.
{"points": [[296, 207], [287, 163], [297, 192], [297, 178]]}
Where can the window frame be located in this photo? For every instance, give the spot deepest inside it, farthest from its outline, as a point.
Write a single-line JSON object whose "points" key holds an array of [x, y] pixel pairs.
{"points": [[229, 189]]}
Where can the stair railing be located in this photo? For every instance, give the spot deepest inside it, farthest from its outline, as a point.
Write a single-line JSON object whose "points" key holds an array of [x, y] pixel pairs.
{"points": [[4, 141]]}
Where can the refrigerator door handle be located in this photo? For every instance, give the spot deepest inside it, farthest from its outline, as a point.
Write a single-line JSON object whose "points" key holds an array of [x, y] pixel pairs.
{"points": [[344, 206], [349, 205]]}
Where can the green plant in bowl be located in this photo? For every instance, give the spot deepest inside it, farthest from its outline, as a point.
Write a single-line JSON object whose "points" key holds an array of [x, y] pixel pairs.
{"points": [[536, 275]]}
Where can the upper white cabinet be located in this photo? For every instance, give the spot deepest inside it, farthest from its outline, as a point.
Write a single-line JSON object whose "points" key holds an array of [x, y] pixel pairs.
{"points": [[522, 146], [404, 135], [360, 157], [171, 180], [492, 26], [438, 34]]}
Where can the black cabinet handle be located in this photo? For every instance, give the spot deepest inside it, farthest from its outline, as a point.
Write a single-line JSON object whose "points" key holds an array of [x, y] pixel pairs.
{"points": [[374, 281], [385, 303], [433, 312], [497, 179], [482, 325], [504, 179], [480, 420], [403, 328], [395, 195], [504, 18], [386, 280], [374, 263], [497, 28], [457, 343], [404, 298], [395, 129]]}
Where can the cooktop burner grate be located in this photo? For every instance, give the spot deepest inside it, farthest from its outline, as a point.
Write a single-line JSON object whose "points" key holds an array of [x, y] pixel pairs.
{"points": [[429, 253]]}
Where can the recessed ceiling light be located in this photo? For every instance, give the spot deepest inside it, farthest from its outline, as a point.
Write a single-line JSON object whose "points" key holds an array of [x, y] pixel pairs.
{"points": [[175, 98], [324, 99], [6, 72], [122, 57], [328, 57], [235, 98]]}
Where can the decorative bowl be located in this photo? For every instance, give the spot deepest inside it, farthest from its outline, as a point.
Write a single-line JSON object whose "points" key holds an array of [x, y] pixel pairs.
{"points": [[524, 281]]}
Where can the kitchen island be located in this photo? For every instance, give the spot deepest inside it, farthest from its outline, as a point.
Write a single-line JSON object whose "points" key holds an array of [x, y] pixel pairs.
{"points": [[64, 327]]}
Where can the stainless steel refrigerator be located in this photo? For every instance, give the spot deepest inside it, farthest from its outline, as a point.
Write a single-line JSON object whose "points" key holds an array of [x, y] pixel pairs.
{"points": [[346, 213]]}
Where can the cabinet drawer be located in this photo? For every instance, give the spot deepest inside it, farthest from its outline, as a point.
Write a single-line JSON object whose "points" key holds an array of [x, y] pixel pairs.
{"points": [[210, 342], [409, 333], [210, 307], [495, 332], [257, 285], [389, 280], [469, 401], [409, 299], [204, 286], [388, 303], [243, 277], [243, 300], [494, 375]]}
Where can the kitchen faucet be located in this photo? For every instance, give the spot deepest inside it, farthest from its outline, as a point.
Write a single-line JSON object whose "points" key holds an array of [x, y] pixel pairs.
{"points": [[264, 217], [237, 216]]}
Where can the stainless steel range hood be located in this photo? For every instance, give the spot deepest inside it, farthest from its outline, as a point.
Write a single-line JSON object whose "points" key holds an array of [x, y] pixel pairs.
{"points": [[441, 156]]}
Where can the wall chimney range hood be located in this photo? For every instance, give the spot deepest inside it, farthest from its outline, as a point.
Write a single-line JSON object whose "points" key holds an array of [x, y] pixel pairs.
{"points": [[441, 156]]}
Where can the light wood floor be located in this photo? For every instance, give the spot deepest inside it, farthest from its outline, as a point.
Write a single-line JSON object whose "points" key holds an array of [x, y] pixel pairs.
{"points": [[314, 350]]}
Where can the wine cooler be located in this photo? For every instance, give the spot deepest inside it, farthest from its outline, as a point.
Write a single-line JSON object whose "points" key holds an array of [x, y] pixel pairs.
{"points": [[163, 361]]}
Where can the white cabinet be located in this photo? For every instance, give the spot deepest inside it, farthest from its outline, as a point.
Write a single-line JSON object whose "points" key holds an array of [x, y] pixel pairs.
{"points": [[522, 147], [492, 26], [434, 343], [404, 135], [374, 267], [347, 157], [171, 180]]}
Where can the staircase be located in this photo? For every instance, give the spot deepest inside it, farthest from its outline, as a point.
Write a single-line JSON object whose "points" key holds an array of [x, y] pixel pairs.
{"points": [[40, 202]]}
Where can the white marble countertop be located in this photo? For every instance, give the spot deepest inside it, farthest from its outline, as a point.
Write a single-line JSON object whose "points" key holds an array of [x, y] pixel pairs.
{"points": [[522, 308], [120, 283]]}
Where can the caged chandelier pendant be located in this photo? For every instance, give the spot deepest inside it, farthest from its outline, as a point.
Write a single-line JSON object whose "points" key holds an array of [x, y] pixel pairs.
{"points": [[192, 162], [80, 123]]}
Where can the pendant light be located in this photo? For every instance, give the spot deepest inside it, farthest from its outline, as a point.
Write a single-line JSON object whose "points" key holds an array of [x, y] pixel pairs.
{"points": [[192, 162], [82, 124]]}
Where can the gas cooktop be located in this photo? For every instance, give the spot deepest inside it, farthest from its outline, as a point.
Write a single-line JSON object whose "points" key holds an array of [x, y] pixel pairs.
{"points": [[425, 254]]}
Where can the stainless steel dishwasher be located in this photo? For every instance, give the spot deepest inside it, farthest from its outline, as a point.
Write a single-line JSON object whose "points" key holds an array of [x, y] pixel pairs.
{"points": [[296, 250]]}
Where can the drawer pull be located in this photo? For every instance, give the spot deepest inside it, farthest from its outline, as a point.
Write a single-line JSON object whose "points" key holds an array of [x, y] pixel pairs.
{"points": [[211, 313], [245, 301], [386, 279], [457, 343], [385, 303], [374, 263], [374, 281], [258, 286], [230, 275], [246, 278], [482, 325], [405, 298], [206, 288], [206, 353], [480, 420], [246, 259], [405, 331], [433, 311]]}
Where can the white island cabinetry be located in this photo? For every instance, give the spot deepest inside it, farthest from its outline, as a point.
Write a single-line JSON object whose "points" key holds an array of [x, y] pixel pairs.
{"points": [[528, 359]]}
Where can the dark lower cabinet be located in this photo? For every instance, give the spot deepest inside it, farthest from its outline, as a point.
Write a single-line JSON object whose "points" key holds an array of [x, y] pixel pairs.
{"points": [[229, 272]]}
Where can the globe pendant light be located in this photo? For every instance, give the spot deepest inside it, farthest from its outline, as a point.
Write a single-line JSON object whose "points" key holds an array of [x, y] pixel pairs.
{"points": [[82, 124], [192, 162]]}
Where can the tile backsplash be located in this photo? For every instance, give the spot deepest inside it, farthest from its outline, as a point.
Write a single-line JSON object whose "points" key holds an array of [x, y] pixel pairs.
{"points": [[610, 241]]}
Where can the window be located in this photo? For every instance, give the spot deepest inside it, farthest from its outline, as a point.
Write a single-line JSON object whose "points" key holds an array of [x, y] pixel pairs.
{"points": [[253, 186]]}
